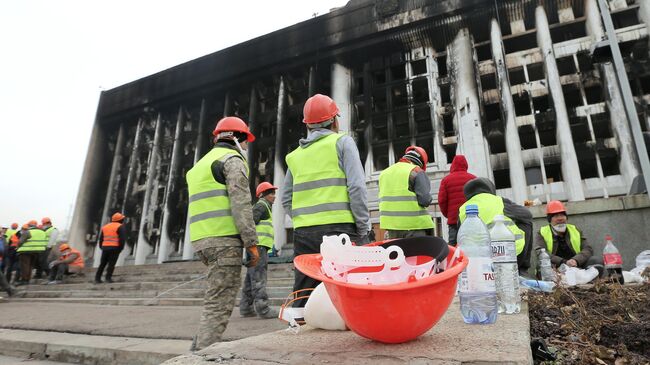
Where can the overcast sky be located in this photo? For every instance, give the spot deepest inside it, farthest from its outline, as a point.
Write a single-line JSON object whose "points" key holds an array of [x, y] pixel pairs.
{"points": [[56, 57]]}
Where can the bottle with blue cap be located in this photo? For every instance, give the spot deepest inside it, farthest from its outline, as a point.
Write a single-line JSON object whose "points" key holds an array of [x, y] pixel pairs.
{"points": [[477, 285]]}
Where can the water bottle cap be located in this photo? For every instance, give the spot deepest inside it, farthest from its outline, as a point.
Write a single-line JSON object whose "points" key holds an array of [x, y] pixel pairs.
{"points": [[499, 218], [471, 209], [608, 237]]}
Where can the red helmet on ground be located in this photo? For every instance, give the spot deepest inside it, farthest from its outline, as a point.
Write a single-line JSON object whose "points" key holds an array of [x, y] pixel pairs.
{"points": [[262, 187], [554, 207], [46, 220], [233, 124], [63, 247], [319, 108], [32, 223], [421, 152], [14, 225], [117, 217]]}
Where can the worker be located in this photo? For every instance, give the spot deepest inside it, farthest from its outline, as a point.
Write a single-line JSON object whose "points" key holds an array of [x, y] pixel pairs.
{"points": [[221, 223], [325, 186], [51, 234], [482, 193], [450, 194], [11, 256], [405, 195], [112, 239], [254, 298], [70, 262], [30, 247], [564, 242], [4, 285]]}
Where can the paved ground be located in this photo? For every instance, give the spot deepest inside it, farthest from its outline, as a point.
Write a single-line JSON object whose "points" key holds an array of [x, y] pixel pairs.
{"points": [[164, 322], [6, 360]]}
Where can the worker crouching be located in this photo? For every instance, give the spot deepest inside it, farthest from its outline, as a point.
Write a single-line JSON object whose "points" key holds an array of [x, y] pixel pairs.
{"points": [[70, 262]]}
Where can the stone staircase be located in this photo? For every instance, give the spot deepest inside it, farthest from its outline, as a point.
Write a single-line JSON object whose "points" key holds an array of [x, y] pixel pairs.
{"points": [[149, 285]]}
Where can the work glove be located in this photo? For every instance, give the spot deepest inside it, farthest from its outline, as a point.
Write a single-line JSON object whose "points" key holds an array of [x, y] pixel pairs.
{"points": [[252, 256]]}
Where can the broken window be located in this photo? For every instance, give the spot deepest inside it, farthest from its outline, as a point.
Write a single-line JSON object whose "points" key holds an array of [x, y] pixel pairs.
{"points": [[502, 179], [527, 137], [419, 67], [553, 172], [516, 76], [594, 94], [420, 90], [566, 66], [442, 66], [488, 82], [580, 130], [536, 71]]}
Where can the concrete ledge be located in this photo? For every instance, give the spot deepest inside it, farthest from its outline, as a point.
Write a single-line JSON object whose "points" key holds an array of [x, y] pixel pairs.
{"points": [[599, 205], [85, 349], [449, 342]]}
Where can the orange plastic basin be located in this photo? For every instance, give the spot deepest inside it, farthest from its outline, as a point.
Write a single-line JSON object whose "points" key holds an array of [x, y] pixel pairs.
{"points": [[389, 313]]}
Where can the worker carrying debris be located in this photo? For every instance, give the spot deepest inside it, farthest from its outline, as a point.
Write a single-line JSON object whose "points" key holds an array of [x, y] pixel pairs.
{"points": [[221, 223], [404, 195], [70, 262], [325, 186]]}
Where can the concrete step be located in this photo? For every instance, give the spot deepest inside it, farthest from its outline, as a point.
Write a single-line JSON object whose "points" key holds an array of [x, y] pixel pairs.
{"points": [[283, 291], [86, 349], [181, 267], [135, 301], [151, 285]]}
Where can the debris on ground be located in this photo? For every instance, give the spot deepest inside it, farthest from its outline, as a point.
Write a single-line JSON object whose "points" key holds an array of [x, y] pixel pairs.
{"points": [[606, 323]]}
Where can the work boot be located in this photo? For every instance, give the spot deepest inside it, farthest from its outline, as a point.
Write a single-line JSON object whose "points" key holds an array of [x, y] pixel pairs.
{"points": [[246, 312], [98, 281], [270, 314], [109, 280], [22, 282], [54, 282]]}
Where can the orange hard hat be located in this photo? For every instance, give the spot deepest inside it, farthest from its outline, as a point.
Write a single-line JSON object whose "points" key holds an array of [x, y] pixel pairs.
{"points": [[63, 247], [554, 207], [319, 108], [421, 152], [33, 223], [46, 220], [25, 226], [14, 225], [264, 186], [233, 124], [117, 217]]}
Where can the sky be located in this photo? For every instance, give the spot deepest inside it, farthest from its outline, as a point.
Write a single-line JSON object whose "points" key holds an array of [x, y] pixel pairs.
{"points": [[57, 56]]}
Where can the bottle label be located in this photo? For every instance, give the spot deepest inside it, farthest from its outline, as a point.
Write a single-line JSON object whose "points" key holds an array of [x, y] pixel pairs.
{"points": [[612, 259], [478, 276], [504, 252]]}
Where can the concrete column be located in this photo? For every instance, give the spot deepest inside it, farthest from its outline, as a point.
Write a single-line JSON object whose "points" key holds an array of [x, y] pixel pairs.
{"points": [[435, 104], [341, 91], [513, 144], [90, 179], [644, 14], [570, 169], [143, 248], [628, 161], [311, 87], [278, 168], [110, 191], [471, 141], [188, 251], [172, 178], [593, 22]]}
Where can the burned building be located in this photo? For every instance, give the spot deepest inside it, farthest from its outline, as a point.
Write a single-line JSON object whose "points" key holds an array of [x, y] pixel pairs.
{"points": [[515, 85]]}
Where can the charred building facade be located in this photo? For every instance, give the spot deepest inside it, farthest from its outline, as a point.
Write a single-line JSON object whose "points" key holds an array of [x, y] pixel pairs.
{"points": [[517, 86]]}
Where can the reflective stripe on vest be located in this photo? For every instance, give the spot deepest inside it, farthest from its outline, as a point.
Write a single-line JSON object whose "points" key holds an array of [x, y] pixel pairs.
{"points": [[490, 206], [209, 204], [320, 192], [36, 243], [79, 261], [574, 237], [398, 206], [110, 237], [264, 229]]}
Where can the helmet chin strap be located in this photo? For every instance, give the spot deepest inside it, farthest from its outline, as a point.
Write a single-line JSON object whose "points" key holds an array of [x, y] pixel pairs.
{"points": [[241, 150]]}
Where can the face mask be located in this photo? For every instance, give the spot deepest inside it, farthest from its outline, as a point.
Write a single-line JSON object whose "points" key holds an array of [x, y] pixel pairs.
{"points": [[560, 228]]}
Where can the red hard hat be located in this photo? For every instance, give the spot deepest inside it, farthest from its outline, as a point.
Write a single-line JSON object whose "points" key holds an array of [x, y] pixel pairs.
{"points": [[117, 217], [554, 207], [264, 186], [33, 223], [14, 225], [233, 124], [46, 220], [421, 152], [319, 108]]}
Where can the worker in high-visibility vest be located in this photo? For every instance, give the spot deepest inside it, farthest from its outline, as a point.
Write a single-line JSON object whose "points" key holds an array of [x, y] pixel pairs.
{"points": [[254, 299], [32, 244], [112, 239], [70, 262], [405, 195], [221, 223], [51, 234], [519, 220], [324, 188]]}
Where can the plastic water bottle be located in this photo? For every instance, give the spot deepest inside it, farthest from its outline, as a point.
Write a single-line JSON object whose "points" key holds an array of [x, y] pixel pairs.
{"points": [[504, 256], [545, 266], [477, 291], [613, 261], [537, 285]]}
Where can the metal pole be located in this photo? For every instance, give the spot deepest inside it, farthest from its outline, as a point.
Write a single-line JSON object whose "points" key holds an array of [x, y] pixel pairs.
{"points": [[628, 98]]}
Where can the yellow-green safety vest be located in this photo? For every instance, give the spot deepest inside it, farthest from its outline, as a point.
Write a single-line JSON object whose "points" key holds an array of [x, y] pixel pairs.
{"points": [[574, 237], [398, 206], [489, 206], [48, 233], [8, 233], [36, 243], [209, 204], [320, 192], [264, 229]]}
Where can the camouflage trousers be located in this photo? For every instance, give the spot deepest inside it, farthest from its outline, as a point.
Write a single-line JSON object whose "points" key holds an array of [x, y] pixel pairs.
{"points": [[253, 297], [223, 279]]}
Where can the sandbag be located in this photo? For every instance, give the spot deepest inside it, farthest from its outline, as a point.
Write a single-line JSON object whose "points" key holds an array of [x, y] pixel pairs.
{"points": [[321, 313]]}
